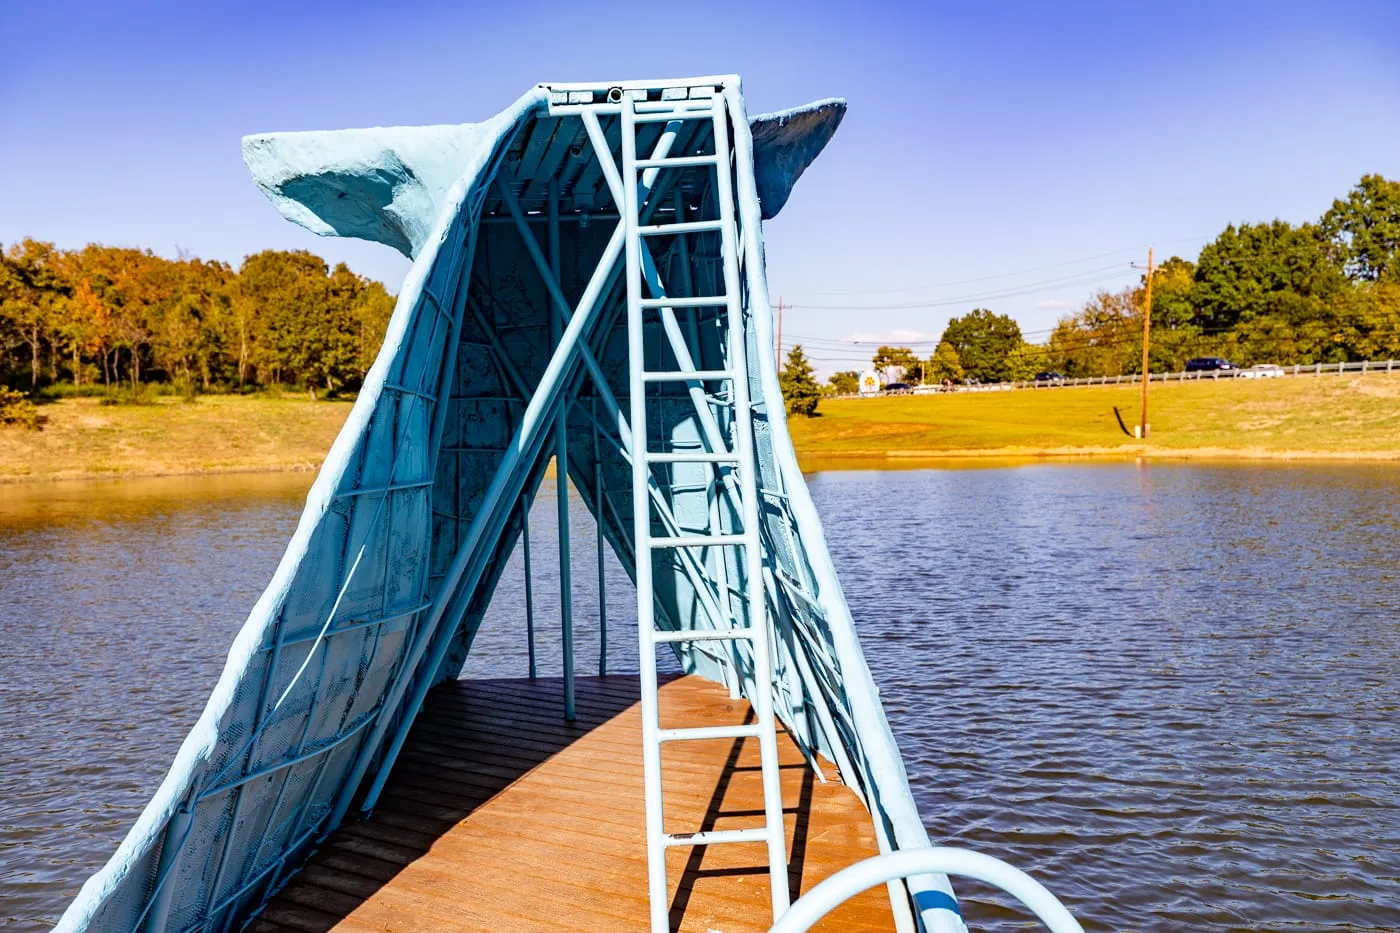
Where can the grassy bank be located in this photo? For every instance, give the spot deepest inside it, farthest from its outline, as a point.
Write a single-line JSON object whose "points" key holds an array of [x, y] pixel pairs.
{"points": [[1348, 417], [213, 434], [1342, 417]]}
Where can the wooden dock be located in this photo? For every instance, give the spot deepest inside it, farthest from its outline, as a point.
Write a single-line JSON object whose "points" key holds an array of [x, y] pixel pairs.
{"points": [[502, 817]]}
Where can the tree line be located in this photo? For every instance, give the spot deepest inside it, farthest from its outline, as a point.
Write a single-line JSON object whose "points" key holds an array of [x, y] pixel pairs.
{"points": [[106, 318], [1320, 292]]}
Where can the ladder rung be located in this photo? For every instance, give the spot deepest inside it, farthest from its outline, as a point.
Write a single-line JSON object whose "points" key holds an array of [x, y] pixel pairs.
{"points": [[689, 226], [705, 112], [706, 301], [713, 634], [699, 541], [699, 375], [699, 733], [676, 162], [716, 837], [693, 456]]}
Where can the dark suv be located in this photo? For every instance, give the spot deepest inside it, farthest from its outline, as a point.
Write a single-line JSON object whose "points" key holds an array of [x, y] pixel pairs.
{"points": [[1206, 364], [1049, 378]]}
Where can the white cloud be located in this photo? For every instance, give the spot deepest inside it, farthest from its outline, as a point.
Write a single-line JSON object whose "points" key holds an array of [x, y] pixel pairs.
{"points": [[894, 337]]}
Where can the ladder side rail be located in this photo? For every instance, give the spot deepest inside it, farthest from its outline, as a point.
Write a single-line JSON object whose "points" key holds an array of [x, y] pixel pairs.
{"points": [[753, 556], [641, 533]]}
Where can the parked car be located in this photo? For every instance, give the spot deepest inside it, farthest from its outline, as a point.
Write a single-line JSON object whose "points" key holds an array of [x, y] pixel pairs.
{"points": [[1262, 371], [899, 388], [1206, 364], [1049, 378]]}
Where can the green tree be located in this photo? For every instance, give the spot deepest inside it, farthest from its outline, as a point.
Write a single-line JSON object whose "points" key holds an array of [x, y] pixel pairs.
{"points": [[846, 382], [1237, 274], [1364, 230], [944, 364], [305, 334], [1368, 321], [1176, 337], [800, 388], [1173, 283], [11, 333], [30, 290], [1024, 362], [122, 288], [901, 359], [1104, 338], [372, 309], [983, 341]]}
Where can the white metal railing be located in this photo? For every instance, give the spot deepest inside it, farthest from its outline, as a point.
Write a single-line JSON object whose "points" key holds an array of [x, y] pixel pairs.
{"points": [[847, 883], [1357, 367]]}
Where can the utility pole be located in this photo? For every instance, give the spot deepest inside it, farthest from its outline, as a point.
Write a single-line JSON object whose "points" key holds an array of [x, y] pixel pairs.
{"points": [[780, 333], [1146, 341]]}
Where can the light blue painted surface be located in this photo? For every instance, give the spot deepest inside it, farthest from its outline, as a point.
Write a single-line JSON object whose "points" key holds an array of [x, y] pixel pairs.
{"points": [[415, 510]]}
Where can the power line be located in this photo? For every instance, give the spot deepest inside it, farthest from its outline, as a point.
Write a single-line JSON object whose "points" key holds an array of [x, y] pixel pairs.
{"points": [[1026, 289], [1255, 259], [997, 275], [860, 344]]}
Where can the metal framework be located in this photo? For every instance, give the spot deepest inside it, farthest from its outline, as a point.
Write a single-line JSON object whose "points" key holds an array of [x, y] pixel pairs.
{"points": [[587, 288]]}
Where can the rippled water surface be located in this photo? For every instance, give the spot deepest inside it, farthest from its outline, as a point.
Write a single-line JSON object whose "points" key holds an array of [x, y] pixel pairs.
{"points": [[1168, 691]]}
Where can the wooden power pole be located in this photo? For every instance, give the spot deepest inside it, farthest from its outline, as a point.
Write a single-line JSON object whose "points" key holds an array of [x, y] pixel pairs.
{"points": [[1146, 341], [780, 333]]}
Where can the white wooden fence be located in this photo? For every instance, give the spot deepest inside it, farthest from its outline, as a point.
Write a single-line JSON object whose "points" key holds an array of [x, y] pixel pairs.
{"points": [[1297, 369]]}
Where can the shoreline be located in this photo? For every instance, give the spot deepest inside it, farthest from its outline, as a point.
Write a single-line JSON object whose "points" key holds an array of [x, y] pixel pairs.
{"points": [[817, 461], [1124, 452], [19, 479]]}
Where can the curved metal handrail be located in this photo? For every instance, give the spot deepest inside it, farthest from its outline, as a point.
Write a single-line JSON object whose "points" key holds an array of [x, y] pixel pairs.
{"points": [[847, 883]]}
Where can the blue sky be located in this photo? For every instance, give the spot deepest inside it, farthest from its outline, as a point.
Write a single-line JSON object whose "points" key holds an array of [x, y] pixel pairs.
{"points": [[1014, 155]]}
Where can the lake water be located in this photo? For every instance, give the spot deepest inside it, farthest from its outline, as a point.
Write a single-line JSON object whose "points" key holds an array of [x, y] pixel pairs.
{"points": [[1168, 691]]}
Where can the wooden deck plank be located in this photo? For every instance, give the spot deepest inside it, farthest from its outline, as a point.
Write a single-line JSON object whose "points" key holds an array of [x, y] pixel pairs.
{"points": [[501, 816]]}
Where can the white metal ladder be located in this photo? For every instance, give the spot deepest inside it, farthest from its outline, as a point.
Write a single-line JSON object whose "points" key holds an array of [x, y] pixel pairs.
{"points": [[754, 627]]}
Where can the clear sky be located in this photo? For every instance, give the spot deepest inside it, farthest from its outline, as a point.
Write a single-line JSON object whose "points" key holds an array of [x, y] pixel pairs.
{"points": [[1014, 155]]}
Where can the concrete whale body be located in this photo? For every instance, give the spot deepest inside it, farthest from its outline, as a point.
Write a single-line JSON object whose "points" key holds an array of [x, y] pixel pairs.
{"points": [[412, 516]]}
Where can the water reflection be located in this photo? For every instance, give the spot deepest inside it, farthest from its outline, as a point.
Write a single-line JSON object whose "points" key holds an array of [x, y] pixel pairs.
{"points": [[45, 505], [1167, 690], [117, 602]]}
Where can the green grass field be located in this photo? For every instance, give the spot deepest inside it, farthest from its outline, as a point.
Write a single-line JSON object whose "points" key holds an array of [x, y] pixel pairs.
{"points": [[1303, 417], [1347, 417], [214, 434]]}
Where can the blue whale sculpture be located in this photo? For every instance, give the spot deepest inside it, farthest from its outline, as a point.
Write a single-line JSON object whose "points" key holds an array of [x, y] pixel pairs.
{"points": [[416, 507]]}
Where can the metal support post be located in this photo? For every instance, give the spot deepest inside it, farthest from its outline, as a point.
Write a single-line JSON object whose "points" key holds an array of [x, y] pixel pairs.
{"points": [[529, 594], [602, 546], [561, 470]]}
